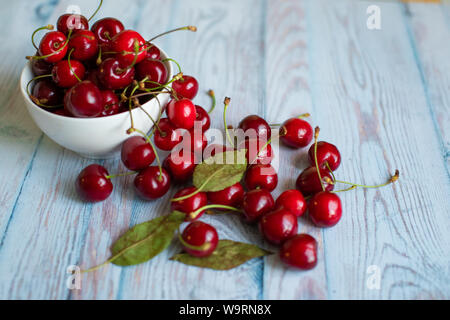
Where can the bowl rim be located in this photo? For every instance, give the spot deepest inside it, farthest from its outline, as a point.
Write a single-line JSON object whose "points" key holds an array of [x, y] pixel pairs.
{"points": [[23, 83]]}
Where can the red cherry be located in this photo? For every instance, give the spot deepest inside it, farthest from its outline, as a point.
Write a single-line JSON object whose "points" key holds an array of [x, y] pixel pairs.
{"points": [[47, 93], [293, 201], [51, 45], [92, 76], [256, 127], [167, 137], [64, 75], [194, 141], [137, 153], [255, 153], [181, 113], [123, 43], [71, 21], [326, 152], [278, 226], [296, 133], [110, 103], [202, 116], [153, 52], [105, 29], [93, 184], [213, 149], [308, 181], [180, 164], [325, 209], [231, 196], [256, 203], [300, 251], [200, 234], [186, 87], [261, 176], [114, 75], [40, 66], [153, 70], [150, 184], [191, 204], [84, 100], [84, 45]]}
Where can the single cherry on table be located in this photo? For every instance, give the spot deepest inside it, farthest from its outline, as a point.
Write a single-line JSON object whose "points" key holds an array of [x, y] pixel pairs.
{"points": [[151, 184], [201, 239], [256, 203], [300, 252], [296, 133], [278, 225], [325, 209], [93, 183]]}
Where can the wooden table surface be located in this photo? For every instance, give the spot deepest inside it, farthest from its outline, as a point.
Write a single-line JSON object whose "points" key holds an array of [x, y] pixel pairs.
{"points": [[382, 96]]}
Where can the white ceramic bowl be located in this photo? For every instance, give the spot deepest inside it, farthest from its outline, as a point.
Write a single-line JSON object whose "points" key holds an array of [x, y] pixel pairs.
{"points": [[97, 138]]}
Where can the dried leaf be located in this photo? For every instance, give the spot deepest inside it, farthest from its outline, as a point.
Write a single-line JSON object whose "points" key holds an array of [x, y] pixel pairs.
{"points": [[228, 255], [220, 171], [146, 240]]}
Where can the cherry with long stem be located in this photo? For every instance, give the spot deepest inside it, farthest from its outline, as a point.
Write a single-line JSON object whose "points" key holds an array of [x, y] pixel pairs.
{"points": [[55, 52], [316, 136], [213, 98], [226, 103], [70, 66], [303, 115], [96, 10], [189, 28], [158, 161], [47, 27]]}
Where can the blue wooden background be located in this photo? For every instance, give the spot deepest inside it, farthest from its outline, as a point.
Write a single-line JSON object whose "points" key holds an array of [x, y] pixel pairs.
{"points": [[382, 96]]}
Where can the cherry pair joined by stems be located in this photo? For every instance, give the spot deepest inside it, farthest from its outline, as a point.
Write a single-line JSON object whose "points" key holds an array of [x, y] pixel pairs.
{"points": [[191, 204], [93, 184], [300, 251]]}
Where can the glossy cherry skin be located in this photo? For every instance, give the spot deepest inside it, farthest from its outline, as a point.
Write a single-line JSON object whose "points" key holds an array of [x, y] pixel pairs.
{"points": [[123, 44], [300, 252], [47, 93], [105, 29], [40, 66], [279, 225], [186, 87], [153, 52], [261, 176], [51, 45], [255, 152], [293, 201], [308, 181], [326, 152], [180, 164], [167, 137], [256, 127], [200, 234], [137, 153], [296, 133], [64, 75], [194, 141], [84, 100], [256, 203], [325, 209], [72, 21], [110, 103], [181, 113], [202, 116], [84, 45], [153, 70], [150, 184], [92, 183], [189, 205], [114, 75], [231, 196]]}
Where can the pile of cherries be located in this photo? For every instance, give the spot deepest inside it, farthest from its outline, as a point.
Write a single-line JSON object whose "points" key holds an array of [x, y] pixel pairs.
{"points": [[101, 71]]}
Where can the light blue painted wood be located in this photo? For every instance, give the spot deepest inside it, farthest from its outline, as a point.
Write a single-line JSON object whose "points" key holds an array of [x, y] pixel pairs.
{"points": [[381, 96]]}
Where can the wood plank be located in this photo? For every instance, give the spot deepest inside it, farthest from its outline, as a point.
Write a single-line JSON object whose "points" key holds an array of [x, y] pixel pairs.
{"points": [[373, 104], [288, 92]]}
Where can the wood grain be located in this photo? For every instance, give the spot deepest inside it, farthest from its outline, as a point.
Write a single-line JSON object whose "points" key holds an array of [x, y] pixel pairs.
{"points": [[381, 96]]}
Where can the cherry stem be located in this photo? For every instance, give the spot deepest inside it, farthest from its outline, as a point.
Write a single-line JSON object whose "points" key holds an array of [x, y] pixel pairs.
{"points": [[213, 98], [316, 136], [158, 120], [174, 61], [189, 28], [195, 213], [343, 190], [54, 52], [203, 247], [226, 103], [70, 66], [392, 179], [136, 53], [99, 57], [112, 176], [47, 27], [331, 171], [153, 147], [200, 189], [303, 115], [262, 149], [96, 10]]}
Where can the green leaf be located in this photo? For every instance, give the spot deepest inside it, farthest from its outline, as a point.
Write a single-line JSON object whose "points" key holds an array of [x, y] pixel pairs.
{"points": [[228, 255], [220, 171], [146, 240]]}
